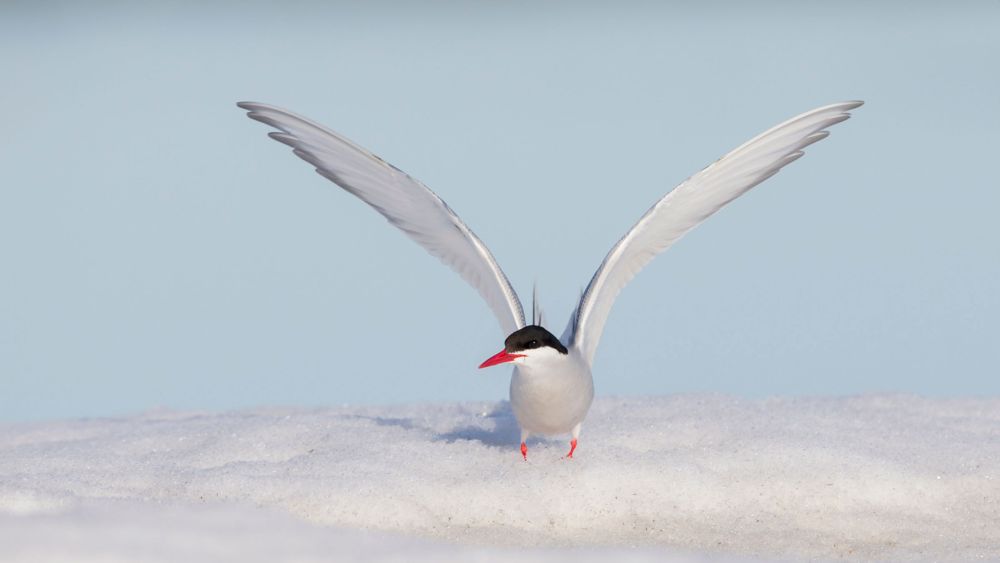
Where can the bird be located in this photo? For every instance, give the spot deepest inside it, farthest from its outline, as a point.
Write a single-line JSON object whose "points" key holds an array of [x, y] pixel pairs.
{"points": [[551, 386]]}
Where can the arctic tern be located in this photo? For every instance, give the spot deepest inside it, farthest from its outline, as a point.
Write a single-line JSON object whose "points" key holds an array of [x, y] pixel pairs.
{"points": [[551, 388]]}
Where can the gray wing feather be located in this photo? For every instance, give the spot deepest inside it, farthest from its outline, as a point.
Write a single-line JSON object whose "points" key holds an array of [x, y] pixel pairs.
{"points": [[402, 200], [690, 203]]}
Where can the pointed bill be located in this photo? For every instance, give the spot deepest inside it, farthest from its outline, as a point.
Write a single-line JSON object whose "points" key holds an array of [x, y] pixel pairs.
{"points": [[500, 357]]}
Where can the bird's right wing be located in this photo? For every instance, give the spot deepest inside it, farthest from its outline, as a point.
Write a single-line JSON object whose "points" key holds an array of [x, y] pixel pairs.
{"points": [[405, 202], [690, 203]]}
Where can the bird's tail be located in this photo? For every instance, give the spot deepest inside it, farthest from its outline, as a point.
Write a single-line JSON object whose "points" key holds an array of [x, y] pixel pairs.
{"points": [[537, 317]]}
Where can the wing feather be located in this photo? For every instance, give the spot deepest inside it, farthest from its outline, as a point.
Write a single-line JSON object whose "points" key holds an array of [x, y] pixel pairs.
{"points": [[402, 200], [690, 203]]}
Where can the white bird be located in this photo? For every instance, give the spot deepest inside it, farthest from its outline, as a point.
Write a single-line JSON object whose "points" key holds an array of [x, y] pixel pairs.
{"points": [[551, 388]]}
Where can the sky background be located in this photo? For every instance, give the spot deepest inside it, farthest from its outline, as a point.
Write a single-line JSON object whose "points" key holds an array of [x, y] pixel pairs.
{"points": [[159, 251]]}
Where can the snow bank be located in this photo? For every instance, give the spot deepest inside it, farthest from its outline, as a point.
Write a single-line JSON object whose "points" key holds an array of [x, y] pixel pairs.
{"points": [[872, 477]]}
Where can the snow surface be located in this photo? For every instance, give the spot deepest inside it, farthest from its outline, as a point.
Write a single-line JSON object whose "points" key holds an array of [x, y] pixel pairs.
{"points": [[674, 478]]}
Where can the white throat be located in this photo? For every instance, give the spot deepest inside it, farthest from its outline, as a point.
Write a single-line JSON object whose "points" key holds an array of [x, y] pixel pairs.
{"points": [[543, 359]]}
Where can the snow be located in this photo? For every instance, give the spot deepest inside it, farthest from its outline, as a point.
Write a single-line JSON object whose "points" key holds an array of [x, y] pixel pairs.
{"points": [[672, 478]]}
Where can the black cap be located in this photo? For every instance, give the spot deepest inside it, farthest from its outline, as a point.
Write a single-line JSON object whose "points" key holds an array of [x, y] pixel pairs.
{"points": [[531, 337]]}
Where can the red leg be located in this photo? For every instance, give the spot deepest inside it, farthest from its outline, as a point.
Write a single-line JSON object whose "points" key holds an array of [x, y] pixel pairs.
{"points": [[524, 451], [572, 448]]}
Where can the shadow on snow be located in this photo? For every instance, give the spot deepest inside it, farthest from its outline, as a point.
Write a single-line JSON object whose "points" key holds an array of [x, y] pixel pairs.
{"points": [[504, 433], [497, 428]]}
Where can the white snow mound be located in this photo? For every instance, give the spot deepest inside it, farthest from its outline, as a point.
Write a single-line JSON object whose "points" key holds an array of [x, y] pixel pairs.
{"points": [[871, 477]]}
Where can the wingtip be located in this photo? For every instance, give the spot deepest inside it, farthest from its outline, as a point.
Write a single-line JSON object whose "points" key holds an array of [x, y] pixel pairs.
{"points": [[254, 106], [853, 104]]}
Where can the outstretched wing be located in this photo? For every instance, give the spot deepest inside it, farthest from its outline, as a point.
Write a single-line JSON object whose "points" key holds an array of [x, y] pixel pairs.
{"points": [[405, 202], [690, 203]]}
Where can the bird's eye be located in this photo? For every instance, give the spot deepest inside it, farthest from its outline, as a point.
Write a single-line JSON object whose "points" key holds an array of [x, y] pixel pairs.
{"points": [[532, 344]]}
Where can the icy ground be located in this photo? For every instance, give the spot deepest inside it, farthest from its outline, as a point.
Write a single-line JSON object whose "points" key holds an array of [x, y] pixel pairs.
{"points": [[673, 478]]}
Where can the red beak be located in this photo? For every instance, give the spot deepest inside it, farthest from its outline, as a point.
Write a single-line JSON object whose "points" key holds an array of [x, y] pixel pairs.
{"points": [[500, 357]]}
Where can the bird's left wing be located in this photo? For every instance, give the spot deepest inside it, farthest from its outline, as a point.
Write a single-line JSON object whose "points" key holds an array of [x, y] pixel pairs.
{"points": [[690, 203], [404, 201]]}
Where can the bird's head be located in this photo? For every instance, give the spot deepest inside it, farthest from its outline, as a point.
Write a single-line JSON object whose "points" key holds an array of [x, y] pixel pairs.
{"points": [[531, 343]]}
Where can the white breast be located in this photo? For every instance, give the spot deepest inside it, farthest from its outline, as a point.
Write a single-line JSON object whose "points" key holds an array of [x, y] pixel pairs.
{"points": [[550, 393]]}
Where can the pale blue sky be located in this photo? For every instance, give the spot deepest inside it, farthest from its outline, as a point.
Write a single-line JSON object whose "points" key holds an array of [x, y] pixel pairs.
{"points": [[159, 250]]}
